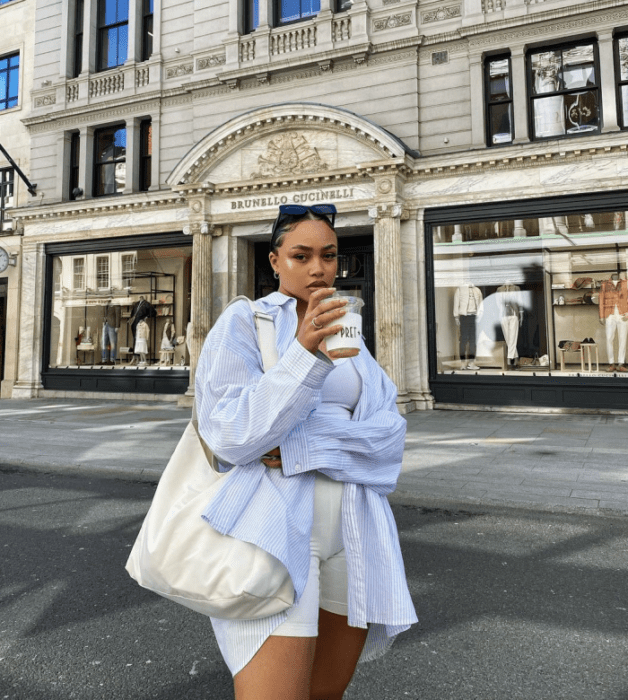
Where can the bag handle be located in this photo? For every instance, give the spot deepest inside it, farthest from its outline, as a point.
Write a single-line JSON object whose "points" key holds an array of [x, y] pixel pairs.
{"points": [[266, 335]]}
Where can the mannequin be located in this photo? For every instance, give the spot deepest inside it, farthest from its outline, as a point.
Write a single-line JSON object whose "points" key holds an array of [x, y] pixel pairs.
{"points": [[141, 341], [168, 342], [141, 309], [110, 327], [511, 313], [467, 307], [614, 315]]}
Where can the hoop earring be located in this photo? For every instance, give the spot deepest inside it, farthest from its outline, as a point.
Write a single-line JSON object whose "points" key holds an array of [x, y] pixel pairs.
{"points": [[276, 275]]}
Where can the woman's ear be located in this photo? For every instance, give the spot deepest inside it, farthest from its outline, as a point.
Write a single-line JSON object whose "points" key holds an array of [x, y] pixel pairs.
{"points": [[273, 260]]}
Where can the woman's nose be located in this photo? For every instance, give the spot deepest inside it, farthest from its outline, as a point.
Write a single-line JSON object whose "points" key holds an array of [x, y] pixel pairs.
{"points": [[317, 267]]}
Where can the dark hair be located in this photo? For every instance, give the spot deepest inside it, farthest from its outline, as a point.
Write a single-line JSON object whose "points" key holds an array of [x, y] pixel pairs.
{"points": [[289, 225]]}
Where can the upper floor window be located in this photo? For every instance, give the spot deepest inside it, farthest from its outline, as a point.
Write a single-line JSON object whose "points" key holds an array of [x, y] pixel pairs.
{"points": [[102, 271], [498, 91], [621, 61], [113, 33], [78, 273], [109, 160], [293, 10], [251, 15], [146, 152], [75, 152], [564, 91], [9, 80], [3, 2], [147, 29], [79, 10], [7, 185]]}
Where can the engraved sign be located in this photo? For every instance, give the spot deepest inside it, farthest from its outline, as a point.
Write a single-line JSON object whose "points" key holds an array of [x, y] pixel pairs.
{"points": [[439, 57], [289, 154]]}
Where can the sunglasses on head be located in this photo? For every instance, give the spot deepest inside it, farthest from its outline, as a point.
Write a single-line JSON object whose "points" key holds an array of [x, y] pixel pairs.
{"points": [[296, 211]]}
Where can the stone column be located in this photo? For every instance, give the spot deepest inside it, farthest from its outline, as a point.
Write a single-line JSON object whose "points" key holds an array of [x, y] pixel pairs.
{"points": [[155, 165], [132, 155], [86, 161], [201, 312], [519, 99], [90, 29], [607, 82], [389, 328], [28, 384], [519, 230], [476, 78]]}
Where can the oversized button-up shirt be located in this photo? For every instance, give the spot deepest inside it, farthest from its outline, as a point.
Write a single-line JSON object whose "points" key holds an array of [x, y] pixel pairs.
{"points": [[243, 413]]}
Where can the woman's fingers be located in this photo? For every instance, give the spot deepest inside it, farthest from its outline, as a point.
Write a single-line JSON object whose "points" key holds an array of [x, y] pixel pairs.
{"points": [[321, 312]]}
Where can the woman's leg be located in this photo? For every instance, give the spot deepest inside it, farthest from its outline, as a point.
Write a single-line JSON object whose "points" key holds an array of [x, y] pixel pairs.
{"points": [[281, 670], [338, 648]]}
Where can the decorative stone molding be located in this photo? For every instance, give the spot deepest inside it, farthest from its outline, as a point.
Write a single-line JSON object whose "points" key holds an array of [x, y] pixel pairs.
{"points": [[107, 84], [390, 2], [441, 14], [179, 71], [45, 100], [392, 22], [288, 151], [390, 211], [325, 66], [262, 78], [211, 61], [569, 24], [289, 154], [142, 76]]}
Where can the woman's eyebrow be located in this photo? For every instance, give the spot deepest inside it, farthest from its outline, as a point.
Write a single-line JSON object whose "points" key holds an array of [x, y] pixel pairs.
{"points": [[305, 247]]}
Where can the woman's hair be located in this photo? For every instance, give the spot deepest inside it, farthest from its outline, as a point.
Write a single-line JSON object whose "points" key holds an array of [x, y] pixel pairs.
{"points": [[290, 224]]}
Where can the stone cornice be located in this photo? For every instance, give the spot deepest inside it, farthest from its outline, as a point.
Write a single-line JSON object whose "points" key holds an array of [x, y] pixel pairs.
{"points": [[100, 206], [93, 113], [534, 155]]}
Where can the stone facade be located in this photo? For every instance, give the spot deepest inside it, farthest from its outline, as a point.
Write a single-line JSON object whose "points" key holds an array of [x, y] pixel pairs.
{"points": [[380, 109]]}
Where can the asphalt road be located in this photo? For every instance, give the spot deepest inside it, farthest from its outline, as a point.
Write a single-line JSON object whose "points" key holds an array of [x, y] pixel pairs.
{"points": [[513, 604]]}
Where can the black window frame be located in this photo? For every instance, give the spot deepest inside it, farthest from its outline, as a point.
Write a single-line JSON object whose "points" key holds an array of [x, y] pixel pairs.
{"points": [[99, 165], [7, 181], [7, 97], [249, 16], [145, 154], [619, 83], [103, 33], [79, 15], [490, 103], [147, 29], [75, 154], [564, 46]]}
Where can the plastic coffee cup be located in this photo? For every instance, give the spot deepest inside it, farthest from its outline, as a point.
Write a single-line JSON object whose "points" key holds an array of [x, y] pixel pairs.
{"points": [[348, 341]]}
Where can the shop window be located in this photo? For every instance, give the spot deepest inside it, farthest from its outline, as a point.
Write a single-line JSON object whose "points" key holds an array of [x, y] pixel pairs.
{"points": [[79, 11], [113, 33], [544, 294], [9, 80], [109, 161], [564, 91], [7, 190], [146, 150], [129, 308], [78, 274], [75, 153], [621, 70], [498, 91], [147, 29]]}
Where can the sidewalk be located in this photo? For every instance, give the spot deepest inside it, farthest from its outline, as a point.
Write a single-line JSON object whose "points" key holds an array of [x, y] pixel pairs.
{"points": [[556, 462]]}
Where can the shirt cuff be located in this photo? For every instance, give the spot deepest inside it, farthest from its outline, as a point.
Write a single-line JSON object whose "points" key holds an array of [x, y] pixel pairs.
{"points": [[310, 370]]}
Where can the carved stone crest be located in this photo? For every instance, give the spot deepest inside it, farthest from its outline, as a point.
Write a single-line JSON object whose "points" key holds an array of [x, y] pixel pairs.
{"points": [[288, 154], [441, 14], [210, 62], [45, 100], [178, 71], [392, 22]]}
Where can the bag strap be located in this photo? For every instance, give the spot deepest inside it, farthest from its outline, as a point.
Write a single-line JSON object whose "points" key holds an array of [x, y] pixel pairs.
{"points": [[266, 336]]}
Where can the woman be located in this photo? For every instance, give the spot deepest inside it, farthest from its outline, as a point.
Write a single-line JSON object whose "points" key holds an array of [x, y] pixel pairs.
{"points": [[332, 440]]}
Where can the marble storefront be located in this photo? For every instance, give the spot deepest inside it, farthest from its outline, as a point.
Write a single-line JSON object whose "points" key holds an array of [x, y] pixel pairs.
{"points": [[434, 223]]}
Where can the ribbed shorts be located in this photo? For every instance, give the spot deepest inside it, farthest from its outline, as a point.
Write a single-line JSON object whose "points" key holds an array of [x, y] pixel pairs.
{"points": [[326, 585]]}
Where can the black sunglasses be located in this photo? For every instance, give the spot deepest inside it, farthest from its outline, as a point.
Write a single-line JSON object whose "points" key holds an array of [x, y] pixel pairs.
{"points": [[295, 211]]}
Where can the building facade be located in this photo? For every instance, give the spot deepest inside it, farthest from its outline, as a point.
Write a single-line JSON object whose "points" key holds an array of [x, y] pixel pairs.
{"points": [[16, 76], [475, 149]]}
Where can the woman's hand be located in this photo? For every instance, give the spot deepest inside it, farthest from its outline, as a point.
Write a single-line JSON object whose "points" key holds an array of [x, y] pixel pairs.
{"points": [[272, 459], [319, 313]]}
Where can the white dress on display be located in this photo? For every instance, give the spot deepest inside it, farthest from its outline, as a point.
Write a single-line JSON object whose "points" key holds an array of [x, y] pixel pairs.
{"points": [[141, 338]]}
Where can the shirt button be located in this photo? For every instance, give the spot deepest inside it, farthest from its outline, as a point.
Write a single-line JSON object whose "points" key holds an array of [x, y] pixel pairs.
{"points": [[297, 467]]}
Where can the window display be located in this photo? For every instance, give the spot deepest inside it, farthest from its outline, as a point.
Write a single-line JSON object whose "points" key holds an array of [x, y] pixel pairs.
{"points": [[547, 295], [121, 310]]}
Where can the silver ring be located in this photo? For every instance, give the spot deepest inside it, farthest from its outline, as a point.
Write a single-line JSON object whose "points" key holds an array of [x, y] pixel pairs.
{"points": [[316, 325]]}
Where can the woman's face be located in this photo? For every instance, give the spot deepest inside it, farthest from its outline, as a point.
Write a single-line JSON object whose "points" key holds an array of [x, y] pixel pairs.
{"points": [[306, 260]]}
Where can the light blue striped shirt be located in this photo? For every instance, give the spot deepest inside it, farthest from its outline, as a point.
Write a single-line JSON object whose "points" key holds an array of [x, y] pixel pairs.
{"points": [[243, 413]]}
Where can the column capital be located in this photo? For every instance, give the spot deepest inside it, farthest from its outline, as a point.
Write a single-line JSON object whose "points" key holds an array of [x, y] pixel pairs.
{"points": [[388, 211]]}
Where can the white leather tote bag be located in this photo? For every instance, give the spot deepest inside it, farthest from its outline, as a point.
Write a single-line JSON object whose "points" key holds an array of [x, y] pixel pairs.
{"points": [[181, 557]]}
